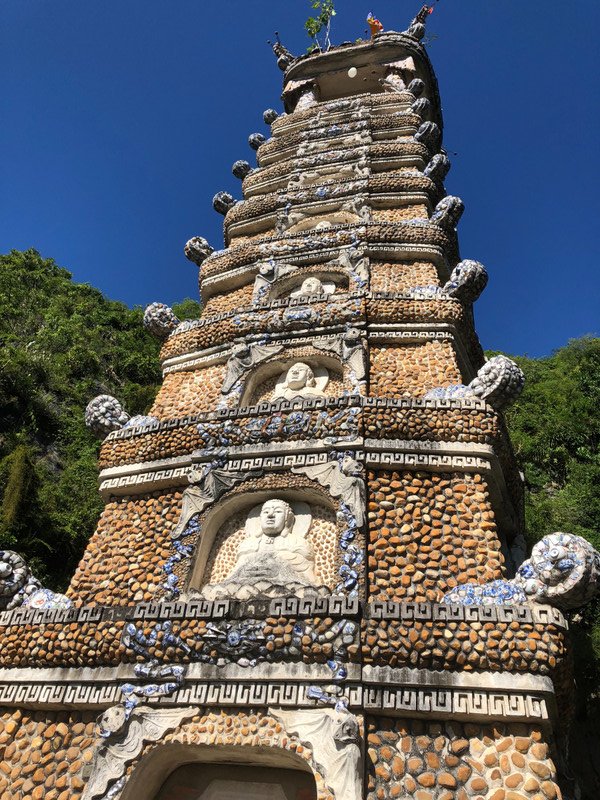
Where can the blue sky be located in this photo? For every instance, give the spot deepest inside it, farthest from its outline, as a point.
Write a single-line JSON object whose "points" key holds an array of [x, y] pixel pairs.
{"points": [[122, 118]]}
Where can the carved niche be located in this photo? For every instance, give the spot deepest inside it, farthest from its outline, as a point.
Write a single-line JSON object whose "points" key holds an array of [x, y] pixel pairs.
{"points": [[301, 380], [278, 547], [276, 279]]}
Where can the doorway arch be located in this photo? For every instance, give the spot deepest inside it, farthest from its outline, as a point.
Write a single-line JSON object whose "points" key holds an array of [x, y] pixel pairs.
{"points": [[178, 771]]}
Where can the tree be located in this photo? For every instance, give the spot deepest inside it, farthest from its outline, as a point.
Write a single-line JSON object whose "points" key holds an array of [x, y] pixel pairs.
{"points": [[61, 343], [322, 21]]}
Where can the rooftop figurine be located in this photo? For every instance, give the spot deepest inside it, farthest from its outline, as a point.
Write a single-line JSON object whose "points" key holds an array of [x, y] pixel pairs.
{"points": [[416, 29], [284, 57], [374, 24]]}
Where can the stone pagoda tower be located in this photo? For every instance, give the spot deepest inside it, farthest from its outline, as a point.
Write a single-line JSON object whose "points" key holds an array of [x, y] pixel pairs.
{"points": [[305, 584]]}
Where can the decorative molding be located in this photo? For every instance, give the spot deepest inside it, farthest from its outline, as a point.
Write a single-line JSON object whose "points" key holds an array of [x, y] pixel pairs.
{"points": [[221, 353], [343, 478], [111, 758], [379, 453], [329, 403], [207, 486], [444, 701], [335, 741], [424, 612], [336, 606], [463, 704], [373, 333], [423, 454]]}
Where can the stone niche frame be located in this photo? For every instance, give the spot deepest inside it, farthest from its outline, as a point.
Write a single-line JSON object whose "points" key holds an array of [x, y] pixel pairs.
{"points": [[155, 766], [231, 504], [281, 363], [281, 288]]}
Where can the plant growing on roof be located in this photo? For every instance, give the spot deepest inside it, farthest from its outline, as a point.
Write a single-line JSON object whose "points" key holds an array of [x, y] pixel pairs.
{"points": [[322, 21]]}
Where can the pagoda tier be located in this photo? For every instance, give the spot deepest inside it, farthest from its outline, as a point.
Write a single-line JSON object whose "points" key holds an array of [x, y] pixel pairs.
{"points": [[305, 563]]}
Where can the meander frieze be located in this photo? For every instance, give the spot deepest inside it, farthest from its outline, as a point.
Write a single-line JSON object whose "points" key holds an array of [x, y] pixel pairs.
{"points": [[279, 319], [380, 418], [335, 606], [184, 352], [513, 639]]}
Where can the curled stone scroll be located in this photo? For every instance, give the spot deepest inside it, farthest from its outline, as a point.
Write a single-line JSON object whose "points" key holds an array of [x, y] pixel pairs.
{"points": [[467, 281], [243, 358], [126, 742], [344, 481], [499, 382], [563, 571], [334, 738]]}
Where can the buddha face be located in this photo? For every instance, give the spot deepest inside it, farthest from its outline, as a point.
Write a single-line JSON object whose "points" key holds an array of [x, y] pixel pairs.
{"points": [[275, 517], [311, 286], [299, 375]]}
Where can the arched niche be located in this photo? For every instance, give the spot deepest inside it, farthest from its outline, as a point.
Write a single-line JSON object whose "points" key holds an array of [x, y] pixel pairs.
{"points": [[155, 775], [324, 221], [333, 282], [260, 383], [223, 528]]}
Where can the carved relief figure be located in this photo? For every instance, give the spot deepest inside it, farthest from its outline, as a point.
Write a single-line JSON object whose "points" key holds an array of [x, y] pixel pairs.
{"points": [[313, 285], [301, 380], [274, 554]]}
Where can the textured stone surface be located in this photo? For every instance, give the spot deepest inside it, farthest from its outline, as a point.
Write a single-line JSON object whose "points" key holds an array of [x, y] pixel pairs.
{"points": [[427, 532], [453, 761], [123, 560], [184, 393], [45, 753], [410, 370]]}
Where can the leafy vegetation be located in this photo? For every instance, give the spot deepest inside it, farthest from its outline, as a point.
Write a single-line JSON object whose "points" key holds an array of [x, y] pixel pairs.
{"points": [[555, 430], [320, 22], [61, 344]]}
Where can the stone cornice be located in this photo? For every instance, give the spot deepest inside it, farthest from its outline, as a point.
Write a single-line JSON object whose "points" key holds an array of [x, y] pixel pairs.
{"points": [[406, 692], [308, 404], [335, 606]]}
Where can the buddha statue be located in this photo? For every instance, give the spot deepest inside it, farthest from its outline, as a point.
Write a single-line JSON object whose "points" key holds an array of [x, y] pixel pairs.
{"points": [[301, 380], [274, 557], [313, 285]]}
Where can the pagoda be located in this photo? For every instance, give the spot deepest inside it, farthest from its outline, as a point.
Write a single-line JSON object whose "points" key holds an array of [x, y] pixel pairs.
{"points": [[309, 578]]}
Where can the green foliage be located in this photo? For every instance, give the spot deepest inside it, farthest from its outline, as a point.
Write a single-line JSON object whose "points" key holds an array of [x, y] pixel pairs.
{"points": [[61, 344], [321, 21], [555, 430]]}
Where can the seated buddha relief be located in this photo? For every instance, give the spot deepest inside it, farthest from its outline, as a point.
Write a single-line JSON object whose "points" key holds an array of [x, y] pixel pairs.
{"points": [[274, 556]]}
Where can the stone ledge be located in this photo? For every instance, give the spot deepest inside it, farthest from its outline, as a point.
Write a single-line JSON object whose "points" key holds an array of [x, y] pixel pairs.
{"points": [[336, 606], [300, 405], [409, 700]]}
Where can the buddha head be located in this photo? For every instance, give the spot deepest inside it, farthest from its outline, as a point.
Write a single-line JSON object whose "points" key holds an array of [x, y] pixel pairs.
{"points": [[276, 518], [311, 285], [300, 376]]}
